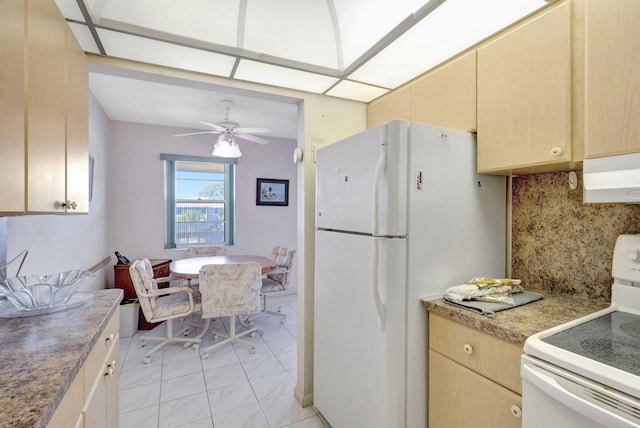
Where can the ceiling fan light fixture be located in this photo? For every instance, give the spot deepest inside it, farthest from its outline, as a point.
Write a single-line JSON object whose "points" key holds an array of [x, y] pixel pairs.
{"points": [[226, 147]]}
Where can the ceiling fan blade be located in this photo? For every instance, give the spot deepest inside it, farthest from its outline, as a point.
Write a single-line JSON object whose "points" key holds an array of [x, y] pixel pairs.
{"points": [[214, 126], [252, 138], [253, 130], [196, 133]]}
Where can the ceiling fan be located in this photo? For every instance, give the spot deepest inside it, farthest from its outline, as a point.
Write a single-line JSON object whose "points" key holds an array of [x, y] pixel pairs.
{"points": [[229, 130]]}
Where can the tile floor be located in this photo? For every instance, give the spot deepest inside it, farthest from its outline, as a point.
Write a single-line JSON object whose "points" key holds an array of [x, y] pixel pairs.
{"points": [[231, 389]]}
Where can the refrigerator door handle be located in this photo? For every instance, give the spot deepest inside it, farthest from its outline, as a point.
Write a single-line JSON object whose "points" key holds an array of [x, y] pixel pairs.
{"points": [[376, 285], [380, 168]]}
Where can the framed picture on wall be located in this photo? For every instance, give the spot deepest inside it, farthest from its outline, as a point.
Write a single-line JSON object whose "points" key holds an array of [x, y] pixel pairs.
{"points": [[271, 191]]}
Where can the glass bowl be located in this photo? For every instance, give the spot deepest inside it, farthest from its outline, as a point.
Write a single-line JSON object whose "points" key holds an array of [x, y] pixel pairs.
{"points": [[32, 292]]}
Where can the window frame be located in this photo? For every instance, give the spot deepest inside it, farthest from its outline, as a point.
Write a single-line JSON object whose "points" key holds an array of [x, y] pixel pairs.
{"points": [[169, 165]]}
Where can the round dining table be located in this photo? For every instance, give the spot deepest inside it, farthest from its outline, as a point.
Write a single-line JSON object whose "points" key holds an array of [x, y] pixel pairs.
{"points": [[190, 268]]}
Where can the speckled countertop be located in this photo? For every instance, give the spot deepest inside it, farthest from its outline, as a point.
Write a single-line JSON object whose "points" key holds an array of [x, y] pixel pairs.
{"points": [[515, 325], [41, 355]]}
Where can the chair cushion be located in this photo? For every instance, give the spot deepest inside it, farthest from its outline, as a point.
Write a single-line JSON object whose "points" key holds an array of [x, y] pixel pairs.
{"points": [[174, 304], [271, 286], [231, 289]]}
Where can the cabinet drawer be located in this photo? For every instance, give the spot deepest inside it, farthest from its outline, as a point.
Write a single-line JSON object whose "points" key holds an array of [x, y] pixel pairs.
{"points": [[485, 354], [161, 271], [102, 350], [459, 397]]}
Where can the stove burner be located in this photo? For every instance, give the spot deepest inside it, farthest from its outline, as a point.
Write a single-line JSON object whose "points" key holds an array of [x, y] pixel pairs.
{"points": [[612, 350], [631, 329], [612, 339]]}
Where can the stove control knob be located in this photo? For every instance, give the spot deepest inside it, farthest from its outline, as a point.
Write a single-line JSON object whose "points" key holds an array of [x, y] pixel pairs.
{"points": [[634, 256]]}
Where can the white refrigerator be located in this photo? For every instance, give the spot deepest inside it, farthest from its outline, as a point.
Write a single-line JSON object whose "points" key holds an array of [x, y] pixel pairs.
{"points": [[401, 215]]}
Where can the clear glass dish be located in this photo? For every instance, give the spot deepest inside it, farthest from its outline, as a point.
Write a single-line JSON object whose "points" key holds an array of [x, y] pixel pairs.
{"points": [[8, 310], [34, 292]]}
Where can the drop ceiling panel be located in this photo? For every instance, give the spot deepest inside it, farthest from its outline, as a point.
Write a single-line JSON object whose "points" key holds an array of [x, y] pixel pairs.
{"points": [[84, 38], [214, 21], [151, 51], [285, 77], [302, 30], [451, 28], [70, 9], [356, 91], [364, 22]]}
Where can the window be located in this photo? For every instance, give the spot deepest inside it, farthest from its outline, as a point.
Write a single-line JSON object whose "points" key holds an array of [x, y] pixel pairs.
{"points": [[199, 200]]}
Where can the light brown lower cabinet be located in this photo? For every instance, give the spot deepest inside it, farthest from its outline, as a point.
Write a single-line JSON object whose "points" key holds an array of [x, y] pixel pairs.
{"points": [[459, 397], [92, 399], [474, 378]]}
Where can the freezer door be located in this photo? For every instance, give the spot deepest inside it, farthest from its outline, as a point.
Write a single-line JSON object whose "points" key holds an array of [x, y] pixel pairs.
{"points": [[363, 178], [359, 369]]}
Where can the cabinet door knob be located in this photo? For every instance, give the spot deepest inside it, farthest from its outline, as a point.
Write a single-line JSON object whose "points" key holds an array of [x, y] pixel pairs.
{"points": [[67, 204], [110, 338], [468, 349], [556, 151], [516, 411]]}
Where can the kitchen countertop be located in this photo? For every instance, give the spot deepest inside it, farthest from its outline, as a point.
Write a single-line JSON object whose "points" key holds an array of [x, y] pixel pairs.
{"points": [[515, 325], [41, 355]]}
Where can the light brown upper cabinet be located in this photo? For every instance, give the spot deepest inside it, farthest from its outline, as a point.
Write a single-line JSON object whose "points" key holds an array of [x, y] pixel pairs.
{"points": [[45, 106], [77, 120], [395, 105], [525, 96], [43, 112], [446, 96], [12, 148], [612, 62]]}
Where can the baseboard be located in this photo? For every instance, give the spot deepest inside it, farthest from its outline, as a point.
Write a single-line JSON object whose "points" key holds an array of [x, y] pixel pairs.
{"points": [[304, 400]]}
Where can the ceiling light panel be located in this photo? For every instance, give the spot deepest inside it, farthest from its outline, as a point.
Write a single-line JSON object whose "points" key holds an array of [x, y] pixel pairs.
{"points": [[70, 9], [213, 21], [285, 77], [448, 30], [84, 37], [293, 29], [152, 51], [356, 91], [364, 22]]}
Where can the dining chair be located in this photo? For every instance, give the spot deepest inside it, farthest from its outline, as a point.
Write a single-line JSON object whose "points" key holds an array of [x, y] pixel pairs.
{"points": [[163, 304], [230, 290], [203, 251], [276, 281]]}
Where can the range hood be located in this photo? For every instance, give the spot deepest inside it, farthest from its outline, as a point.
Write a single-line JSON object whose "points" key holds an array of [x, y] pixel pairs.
{"points": [[612, 179]]}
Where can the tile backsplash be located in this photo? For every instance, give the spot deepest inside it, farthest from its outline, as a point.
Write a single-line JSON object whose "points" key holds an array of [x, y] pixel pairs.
{"points": [[560, 244]]}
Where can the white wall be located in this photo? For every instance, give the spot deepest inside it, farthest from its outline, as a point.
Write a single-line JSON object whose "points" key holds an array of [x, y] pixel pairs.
{"points": [[136, 192], [62, 242]]}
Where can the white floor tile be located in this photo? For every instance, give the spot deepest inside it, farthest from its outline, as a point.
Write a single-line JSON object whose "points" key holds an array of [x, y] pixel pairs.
{"points": [[223, 376], [289, 360], [293, 374], [172, 369], [279, 346], [244, 417], [220, 357], [273, 385], [204, 423], [141, 418], [231, 389], [262, 366], [139, 397], [284, 410], [135, 374], [312, 422], [231, 397], [184, 410], [180, 387]]}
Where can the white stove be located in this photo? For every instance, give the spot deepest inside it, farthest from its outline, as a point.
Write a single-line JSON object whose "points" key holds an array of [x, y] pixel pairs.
{"points": [[586, 373]]}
